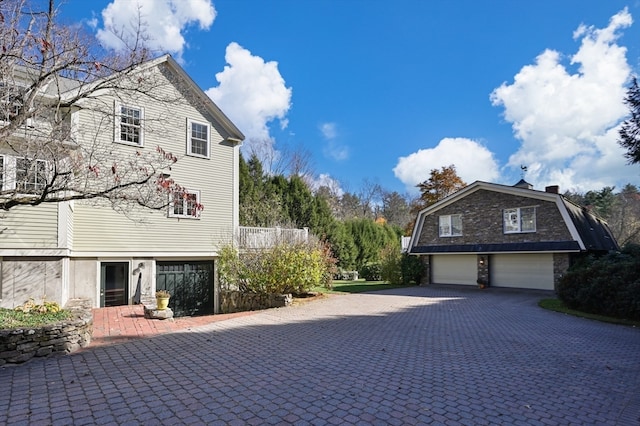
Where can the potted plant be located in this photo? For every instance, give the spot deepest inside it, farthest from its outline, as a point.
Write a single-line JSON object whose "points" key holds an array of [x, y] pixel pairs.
{"points": [[162, 299]]}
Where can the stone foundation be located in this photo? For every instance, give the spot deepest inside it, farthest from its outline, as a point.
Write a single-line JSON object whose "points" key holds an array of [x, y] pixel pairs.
{"points": [[20, 345], [236, 301]]}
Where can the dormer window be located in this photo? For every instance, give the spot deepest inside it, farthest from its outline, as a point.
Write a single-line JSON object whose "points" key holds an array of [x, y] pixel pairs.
{"points": [[521, 219]]}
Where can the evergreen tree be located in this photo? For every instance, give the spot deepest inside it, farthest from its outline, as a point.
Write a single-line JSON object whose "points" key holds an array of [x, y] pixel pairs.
{"points": [[630, 129]]}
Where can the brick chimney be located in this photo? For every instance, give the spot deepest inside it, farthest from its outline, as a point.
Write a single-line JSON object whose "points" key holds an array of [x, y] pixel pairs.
{"points": [[552, 189]]}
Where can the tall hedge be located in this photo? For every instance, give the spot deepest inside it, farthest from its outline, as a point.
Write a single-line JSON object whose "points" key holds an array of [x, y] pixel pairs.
{"points": [[606, 285]]}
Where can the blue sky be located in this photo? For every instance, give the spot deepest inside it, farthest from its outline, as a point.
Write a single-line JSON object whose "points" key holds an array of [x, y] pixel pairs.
{"points": [[383, 92]]}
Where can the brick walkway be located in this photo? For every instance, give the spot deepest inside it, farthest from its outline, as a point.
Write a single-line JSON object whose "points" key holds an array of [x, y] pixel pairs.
{"points": [[120, 324]]}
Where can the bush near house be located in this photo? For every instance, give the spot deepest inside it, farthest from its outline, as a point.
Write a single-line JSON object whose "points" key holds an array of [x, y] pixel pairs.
{"points": [[399, 268], [282, 269], [606, 285], [371, 272]]}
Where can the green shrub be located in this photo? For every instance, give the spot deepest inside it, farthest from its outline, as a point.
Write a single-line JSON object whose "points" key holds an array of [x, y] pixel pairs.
{"points": [[371, 272], [607, 285], [390, 264], [412, 269], [284, 268]]}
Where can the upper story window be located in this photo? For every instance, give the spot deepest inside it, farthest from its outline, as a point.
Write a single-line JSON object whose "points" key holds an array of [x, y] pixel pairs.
{"points": [[10, 101], [30, 175], [129, 125], [198, 139], [186, 205], [521, 219], [450, 225]]}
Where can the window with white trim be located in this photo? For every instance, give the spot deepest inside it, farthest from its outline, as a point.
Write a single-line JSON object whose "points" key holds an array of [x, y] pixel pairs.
{"points": [[198, 139], [30, 175], [10, 100], [129, 125], [521, 219], [450, 225], [185, 204]]}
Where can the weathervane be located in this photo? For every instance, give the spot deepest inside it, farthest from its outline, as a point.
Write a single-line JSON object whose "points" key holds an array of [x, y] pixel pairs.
{"points": [[524, 170]]}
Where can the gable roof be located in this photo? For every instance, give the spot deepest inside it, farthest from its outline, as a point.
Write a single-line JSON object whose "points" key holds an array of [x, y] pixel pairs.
{"points": [[235, 135], [589, 231]]}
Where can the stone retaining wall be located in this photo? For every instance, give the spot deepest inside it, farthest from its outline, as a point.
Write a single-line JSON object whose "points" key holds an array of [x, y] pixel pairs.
{"points": [[20, 345], [235, 301]]}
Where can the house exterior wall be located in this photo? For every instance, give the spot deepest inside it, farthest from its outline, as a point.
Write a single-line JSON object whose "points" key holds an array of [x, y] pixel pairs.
{"points": [[57, 249], [561, 263], [482, 221], [153, 231], [34, 277], [27, 227]]}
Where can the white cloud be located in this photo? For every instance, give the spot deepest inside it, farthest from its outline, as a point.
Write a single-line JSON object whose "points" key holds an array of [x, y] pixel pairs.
{"points": [[328, 130], [252, 93], [473, 162], [332, 148], [163, 22], [326, 180], [566, 123]]}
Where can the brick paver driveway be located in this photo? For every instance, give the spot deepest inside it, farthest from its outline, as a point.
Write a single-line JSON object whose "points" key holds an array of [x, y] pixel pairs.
{"points": [[410, 356]]}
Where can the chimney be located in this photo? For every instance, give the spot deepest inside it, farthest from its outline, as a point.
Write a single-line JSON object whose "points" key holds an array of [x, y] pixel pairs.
{"points": [[552, 189]]}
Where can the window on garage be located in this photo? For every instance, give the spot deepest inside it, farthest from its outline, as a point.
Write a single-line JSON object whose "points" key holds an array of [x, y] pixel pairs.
{"points": [[450, 225], [521, 219]]}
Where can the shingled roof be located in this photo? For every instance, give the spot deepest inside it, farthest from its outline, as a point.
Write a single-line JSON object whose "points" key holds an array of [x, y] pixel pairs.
{"points": [[594, 232], [589, 232]]}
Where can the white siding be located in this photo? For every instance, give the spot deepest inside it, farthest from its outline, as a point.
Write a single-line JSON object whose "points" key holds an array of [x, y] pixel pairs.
{"points": [[100, 229], [28, 227], [532, 271], [454, 269]]}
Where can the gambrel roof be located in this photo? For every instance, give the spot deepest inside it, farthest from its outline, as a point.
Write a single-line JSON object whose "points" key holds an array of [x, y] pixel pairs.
{"points": [[588, 231]]}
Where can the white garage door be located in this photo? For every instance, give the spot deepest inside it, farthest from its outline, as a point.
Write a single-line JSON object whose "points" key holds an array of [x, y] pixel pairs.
{"points": [[533, 271], [454, 269]]}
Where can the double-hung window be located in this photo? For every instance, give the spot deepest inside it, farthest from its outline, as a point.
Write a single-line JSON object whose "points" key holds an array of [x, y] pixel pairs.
{"points": [[30, 175], [521, 219], [185, 204], [450, 225], [198, 139], [129, 125]]}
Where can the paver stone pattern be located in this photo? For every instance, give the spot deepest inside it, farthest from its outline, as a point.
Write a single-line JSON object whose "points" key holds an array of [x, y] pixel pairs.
{"points": [[411, 356]]}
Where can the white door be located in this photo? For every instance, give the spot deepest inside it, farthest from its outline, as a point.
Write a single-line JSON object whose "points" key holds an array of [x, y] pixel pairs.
{"points": [[454, 269], [534, 271]]}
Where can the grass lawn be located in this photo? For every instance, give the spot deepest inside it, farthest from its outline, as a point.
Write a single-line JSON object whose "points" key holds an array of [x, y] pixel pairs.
{"points": [[558, 306], [10, 318], [357, 286]]}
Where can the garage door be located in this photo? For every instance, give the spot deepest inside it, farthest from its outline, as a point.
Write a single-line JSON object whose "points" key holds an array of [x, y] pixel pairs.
{"points": [[454, 269], [190, 285], [533, 271]]}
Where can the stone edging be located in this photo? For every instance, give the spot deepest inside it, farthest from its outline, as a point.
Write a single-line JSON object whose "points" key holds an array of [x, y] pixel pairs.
{"points": [[20, 345]]}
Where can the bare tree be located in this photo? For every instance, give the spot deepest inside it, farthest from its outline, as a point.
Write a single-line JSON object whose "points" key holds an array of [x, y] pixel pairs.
{"points": [[286, 160], [48, 73], [370, 195], [396, 208]]}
